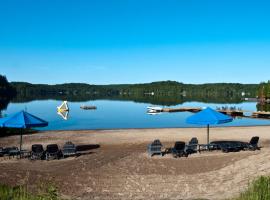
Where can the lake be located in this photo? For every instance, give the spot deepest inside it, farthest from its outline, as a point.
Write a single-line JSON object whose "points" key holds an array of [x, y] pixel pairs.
{"points": [[113, 114]]}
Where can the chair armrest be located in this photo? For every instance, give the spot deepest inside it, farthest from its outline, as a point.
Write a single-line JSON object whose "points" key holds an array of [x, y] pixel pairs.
{"points": [[207, 147], [191, 145]]}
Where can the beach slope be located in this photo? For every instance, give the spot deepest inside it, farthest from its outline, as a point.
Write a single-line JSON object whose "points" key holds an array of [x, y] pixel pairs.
{"points": [[121, 169]]}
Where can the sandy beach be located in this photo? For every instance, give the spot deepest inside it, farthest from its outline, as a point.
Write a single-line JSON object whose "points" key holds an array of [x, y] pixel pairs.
{"points": [[121, 168]]}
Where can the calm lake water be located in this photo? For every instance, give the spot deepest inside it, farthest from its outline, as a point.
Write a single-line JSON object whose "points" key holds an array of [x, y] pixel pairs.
{"points": [[119, 114]]}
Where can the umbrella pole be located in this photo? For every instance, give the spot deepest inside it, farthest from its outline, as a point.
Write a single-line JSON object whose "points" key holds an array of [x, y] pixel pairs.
{"points": [[207, 133], [21, 140]]}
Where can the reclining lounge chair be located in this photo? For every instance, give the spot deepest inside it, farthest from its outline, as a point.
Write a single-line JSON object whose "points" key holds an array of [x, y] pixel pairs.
{"points": [[154, 148], [253, 144], [192, 146], [37, 152], [69, 149], [52, 151], [229, 146], [179, 149], [12, 151]]}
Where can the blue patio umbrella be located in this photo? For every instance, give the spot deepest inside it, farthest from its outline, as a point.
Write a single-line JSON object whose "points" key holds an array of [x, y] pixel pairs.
{"points": [[22, 120], [208, 117]]}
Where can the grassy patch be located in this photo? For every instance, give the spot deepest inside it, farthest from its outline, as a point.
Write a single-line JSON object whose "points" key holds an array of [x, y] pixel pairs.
{"points": [[258, 190], [21, 193]]}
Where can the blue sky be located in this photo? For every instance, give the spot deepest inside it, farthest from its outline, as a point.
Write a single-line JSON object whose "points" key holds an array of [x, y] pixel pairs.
{"points": [[133, 41]]}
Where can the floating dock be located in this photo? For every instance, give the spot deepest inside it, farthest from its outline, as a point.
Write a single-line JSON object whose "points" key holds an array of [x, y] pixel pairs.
{"points": [[234, 113], [261, 114], [88, 107]]}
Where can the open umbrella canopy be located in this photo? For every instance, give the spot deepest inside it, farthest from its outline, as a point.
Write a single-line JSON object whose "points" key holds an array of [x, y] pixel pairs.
{"points": [[22, 119], [208, 117]]}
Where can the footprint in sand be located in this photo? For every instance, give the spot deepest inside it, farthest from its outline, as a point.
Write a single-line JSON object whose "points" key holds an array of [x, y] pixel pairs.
{"points": [[88, 189]]}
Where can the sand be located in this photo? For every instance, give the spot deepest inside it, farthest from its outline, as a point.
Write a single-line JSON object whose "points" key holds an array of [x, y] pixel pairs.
{"points": [[121, 168]]}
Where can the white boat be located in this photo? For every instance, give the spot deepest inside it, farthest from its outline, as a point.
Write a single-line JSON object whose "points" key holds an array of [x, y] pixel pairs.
{"points": [[154, 108], [153, 113], [63, 107]]}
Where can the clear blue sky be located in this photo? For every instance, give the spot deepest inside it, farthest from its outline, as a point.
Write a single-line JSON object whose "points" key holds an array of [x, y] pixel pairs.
{"points": [[132, 41]]}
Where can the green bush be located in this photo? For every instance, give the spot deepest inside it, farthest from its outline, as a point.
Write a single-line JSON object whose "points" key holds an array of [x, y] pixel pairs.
{"points": [[21, 193], [258, 190]]}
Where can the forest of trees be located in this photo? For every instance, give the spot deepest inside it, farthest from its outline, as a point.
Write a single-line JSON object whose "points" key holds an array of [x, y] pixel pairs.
{"points": [[156, 88], [164, 92], [264, 91], [5, 88], [7, 92]]}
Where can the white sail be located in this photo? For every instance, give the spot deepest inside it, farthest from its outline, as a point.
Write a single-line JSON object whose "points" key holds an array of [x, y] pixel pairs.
{"points": [[63, 107]]}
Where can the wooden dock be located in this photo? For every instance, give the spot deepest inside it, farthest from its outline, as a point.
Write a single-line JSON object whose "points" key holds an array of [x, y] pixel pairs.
{"points": [[233, 113], [182, 109], [261, 114]]}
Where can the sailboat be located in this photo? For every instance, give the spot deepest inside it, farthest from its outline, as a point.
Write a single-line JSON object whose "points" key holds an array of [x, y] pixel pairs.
{"points": [[63, 107]]}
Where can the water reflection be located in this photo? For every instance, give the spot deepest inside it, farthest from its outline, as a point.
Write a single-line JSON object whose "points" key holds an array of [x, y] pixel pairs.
{"points": [[126, 111], [63, 114], [3, 104], [169, 100]]}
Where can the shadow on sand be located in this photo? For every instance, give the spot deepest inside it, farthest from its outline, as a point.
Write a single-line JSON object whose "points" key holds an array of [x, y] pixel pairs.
{"points": [[87, 147], [4, 132]]}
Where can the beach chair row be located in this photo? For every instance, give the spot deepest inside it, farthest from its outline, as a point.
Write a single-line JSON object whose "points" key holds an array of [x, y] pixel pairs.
{"points": [[52, 151], [181, 149], [9, 151]]}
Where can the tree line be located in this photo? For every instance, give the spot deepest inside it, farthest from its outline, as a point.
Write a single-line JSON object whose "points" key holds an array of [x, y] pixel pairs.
{"points": [[264, 91], [7, 92], [163, 92]]}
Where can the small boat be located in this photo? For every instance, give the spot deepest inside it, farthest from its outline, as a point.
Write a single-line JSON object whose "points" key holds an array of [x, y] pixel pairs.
{"points": [[154, 108], [153, 113], [88, 107], [63, 107]]}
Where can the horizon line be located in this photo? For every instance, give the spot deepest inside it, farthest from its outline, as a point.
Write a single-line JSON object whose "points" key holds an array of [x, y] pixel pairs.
{"points": [[138, 83]]}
